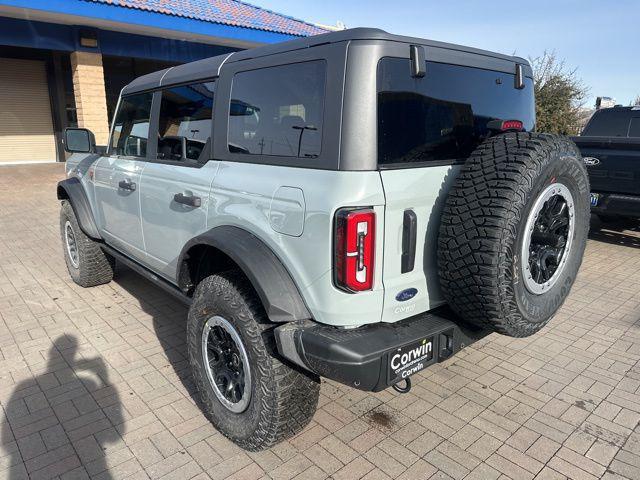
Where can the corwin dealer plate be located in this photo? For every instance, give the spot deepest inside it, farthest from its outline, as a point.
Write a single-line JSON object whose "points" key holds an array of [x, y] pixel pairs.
{"points": [[409, 359]]}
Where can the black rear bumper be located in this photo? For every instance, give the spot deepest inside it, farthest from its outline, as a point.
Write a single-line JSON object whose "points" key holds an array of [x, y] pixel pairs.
{"points": [[361, 357], [615, 204]]}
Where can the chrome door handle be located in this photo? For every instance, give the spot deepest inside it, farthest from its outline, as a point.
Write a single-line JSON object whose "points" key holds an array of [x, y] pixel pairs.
{"points": [[127, 185], [189, 200]]}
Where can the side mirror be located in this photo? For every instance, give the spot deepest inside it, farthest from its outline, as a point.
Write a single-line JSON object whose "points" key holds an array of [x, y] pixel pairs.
{"points": [[79, 140]]}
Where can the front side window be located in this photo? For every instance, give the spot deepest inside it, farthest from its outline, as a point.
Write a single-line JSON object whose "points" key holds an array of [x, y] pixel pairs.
{"points": [[278, 110], [131, 126], [444, 115], [185, 123]]}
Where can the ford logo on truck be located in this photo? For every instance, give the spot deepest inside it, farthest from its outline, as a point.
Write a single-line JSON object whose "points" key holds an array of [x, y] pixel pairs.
{"points": [[591, 161], [407, 294]]}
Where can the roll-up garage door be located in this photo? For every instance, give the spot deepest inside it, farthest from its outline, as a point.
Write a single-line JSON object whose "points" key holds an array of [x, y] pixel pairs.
{"points": [[26, 129]]}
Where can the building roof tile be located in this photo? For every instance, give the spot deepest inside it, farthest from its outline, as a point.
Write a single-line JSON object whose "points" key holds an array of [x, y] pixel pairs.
{"points": [[227, 12]]}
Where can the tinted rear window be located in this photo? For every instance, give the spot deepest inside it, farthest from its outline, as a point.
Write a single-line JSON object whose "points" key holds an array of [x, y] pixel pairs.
{"points": [[634, 127], [278, 110], [443, 116], [609, 122]]}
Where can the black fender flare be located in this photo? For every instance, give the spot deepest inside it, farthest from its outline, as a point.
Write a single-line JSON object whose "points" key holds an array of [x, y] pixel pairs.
{"points": [[274, 285], [72, 190]]}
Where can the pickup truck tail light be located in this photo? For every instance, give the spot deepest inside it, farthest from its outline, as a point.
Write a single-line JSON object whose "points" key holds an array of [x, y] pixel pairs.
{"points": [[355, 233]]}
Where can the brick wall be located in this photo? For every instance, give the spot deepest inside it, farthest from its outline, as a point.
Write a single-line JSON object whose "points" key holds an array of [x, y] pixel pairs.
{"points": [[89, 91]]}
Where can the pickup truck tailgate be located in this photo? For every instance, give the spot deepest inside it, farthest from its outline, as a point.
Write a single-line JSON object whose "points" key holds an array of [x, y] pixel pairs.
{"points": [[613, 163]]}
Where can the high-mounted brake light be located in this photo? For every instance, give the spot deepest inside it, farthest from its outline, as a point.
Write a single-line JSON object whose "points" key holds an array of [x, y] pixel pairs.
{"points": [[512, 125], [355, 232], [506, 125]]}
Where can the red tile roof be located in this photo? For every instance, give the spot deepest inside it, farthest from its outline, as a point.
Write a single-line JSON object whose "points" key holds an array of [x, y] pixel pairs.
{"points": [[227, 12]]}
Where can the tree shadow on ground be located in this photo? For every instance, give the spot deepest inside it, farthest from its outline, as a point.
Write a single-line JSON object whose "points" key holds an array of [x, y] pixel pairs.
{"points": [[43, 432]]}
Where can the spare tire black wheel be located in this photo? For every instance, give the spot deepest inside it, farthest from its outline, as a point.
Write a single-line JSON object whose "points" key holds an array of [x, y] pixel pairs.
{"points": [[513, 232]]}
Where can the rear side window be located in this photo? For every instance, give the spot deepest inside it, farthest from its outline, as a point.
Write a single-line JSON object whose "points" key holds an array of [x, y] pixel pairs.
{"points": [[184, 124], [609, 122], [634, 127], [278, 110], [131, 126], [443, 116]]}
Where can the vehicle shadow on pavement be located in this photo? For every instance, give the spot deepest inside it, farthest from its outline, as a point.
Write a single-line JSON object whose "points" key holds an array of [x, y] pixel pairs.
{"points": [[63, 420], [622, 232], [169, 318]]}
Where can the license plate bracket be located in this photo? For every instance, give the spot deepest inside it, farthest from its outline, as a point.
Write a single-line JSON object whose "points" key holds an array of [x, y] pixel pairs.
{"points": [[409, 359]]}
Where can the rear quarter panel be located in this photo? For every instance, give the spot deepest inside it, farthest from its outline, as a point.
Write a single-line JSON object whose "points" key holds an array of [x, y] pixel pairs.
{"points": [[261, 199]]}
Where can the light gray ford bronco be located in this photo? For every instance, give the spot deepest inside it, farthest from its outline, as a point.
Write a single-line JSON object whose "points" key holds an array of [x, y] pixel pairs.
{"points": [[355, 205]]}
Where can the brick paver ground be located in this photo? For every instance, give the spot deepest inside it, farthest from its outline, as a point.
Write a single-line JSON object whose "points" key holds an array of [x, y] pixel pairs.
{"points": [[95, 382]]}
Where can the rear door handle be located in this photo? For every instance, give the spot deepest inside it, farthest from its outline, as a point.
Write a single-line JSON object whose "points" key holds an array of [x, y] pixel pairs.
{"points": [[189, 200], [127, 185]]}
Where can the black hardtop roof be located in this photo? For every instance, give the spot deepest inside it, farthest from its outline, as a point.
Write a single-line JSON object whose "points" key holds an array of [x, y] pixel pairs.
{"points": [[210, 67], [357, 34], [620, 109], [198, 70]]}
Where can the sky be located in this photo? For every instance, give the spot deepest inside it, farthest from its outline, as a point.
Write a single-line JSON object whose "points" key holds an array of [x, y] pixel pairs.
{"points": [[599, 38]]}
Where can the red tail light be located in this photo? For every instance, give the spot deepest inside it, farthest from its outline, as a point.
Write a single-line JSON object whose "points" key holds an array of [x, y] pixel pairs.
{"points": [[355, 234]]}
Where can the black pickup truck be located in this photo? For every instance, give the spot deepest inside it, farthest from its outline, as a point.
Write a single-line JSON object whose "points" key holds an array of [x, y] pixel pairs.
{"points": [[610, 147]]}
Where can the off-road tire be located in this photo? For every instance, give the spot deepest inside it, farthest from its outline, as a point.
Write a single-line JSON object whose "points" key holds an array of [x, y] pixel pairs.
{"points": [[283, 399], [95, 267], [482, 230]]}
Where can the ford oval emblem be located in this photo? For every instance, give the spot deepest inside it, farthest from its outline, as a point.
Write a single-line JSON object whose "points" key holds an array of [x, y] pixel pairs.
{"points": [[407, 294], [591, 161]]}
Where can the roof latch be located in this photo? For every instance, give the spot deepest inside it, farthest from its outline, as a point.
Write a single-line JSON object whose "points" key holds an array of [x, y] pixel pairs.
{"points": [[519, 80], [418, 61]]}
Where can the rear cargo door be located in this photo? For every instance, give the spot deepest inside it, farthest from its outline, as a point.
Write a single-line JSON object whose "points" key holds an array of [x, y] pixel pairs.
{"points": [[414, 201], [427, 127]]}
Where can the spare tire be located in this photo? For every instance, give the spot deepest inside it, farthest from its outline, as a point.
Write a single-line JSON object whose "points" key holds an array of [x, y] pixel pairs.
{"points": [[513, 232]]}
